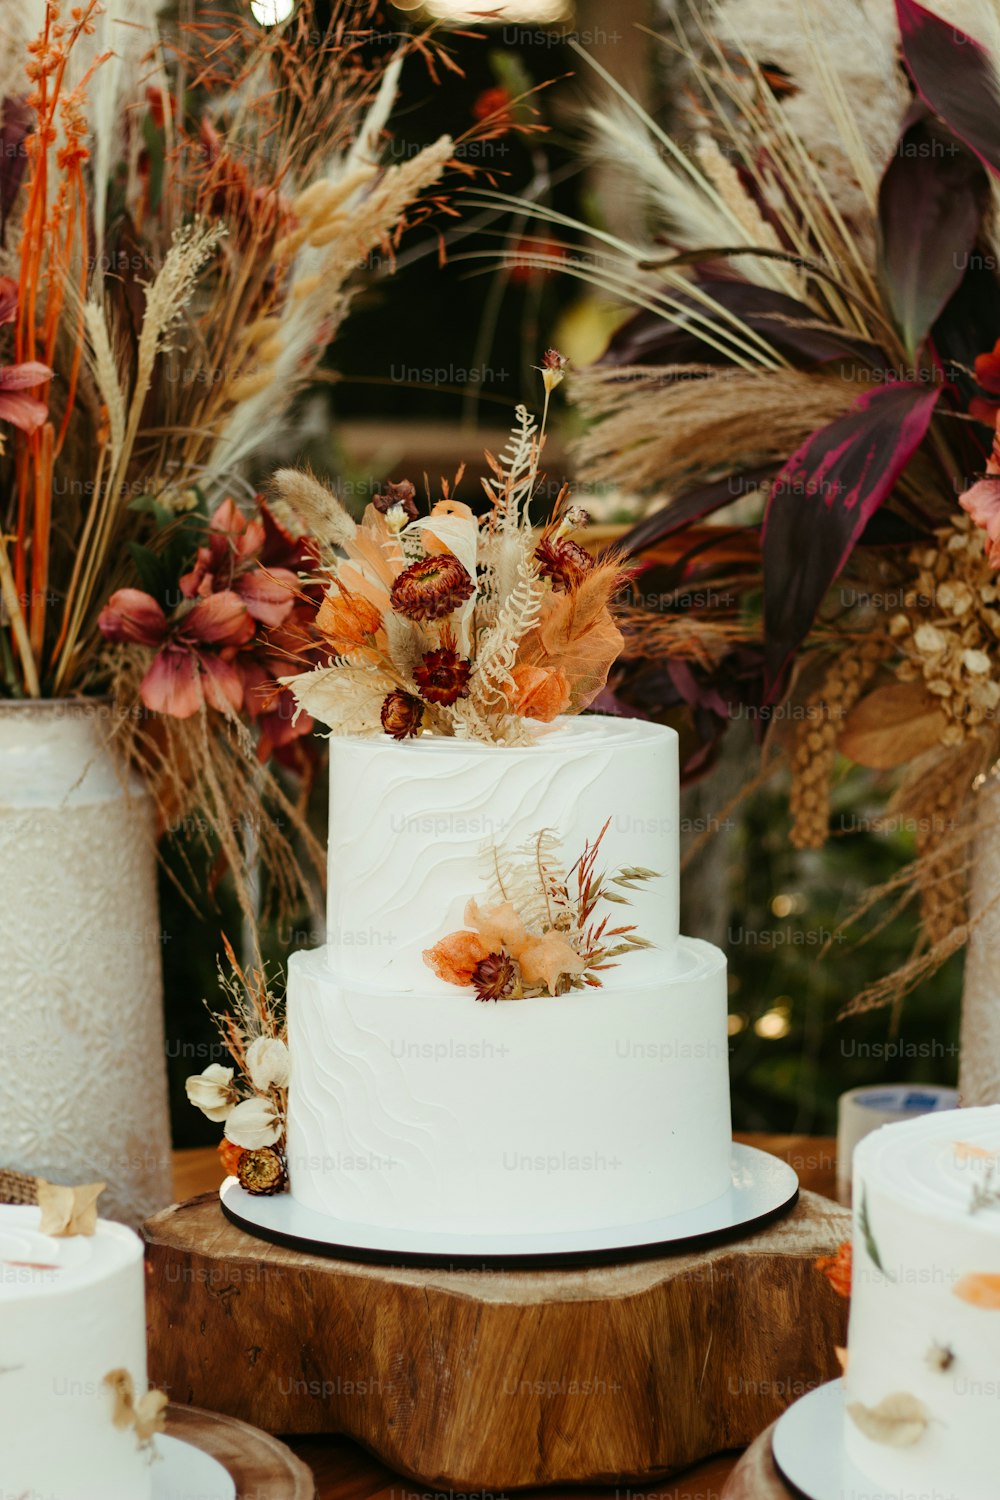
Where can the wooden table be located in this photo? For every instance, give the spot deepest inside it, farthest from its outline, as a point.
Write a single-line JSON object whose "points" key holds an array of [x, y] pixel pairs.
{"points": [[345, 1472]]}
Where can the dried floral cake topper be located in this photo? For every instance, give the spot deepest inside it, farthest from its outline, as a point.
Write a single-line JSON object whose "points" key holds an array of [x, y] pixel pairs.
{"points": [[64, 1211], [477, 627], [539, 931], [251, 1098]]}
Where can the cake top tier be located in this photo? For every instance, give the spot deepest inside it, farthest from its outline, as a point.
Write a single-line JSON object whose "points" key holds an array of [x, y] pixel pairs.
{"points": [[947, 1165], [439, 839], [39, 1265]]}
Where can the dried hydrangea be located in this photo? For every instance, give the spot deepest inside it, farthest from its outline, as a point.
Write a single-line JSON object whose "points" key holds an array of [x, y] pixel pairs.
{"points": [[948, 632]]}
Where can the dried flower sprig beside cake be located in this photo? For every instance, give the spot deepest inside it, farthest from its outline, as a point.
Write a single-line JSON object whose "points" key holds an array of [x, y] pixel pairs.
{"points": [[250, 1098], [540, 930], [478, 627]]}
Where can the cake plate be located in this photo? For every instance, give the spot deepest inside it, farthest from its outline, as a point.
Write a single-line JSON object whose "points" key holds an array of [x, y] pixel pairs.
{"points": [[762, 1188], [808, 1448], [183, 1472], [205, 1456]]}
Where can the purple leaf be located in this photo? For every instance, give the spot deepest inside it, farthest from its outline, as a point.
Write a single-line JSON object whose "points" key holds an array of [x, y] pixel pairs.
{"points": [[931, 202], [691, 506], [821, 501], [954, 76]]}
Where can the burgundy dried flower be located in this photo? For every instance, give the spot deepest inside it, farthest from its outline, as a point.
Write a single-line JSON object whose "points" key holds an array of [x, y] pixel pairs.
{"points": [[497, 977], [401, 494], [402, 715], [565, 562], [262, 1172], [443, 676], [431, 588]]}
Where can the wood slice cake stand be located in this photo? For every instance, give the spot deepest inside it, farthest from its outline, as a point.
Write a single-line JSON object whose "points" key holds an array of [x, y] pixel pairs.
{"points": [[495, 1379], [258, 1464]]}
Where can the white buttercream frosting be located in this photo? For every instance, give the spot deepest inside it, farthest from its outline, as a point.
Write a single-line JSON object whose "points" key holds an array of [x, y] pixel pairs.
{"points": [[71, 1311]]}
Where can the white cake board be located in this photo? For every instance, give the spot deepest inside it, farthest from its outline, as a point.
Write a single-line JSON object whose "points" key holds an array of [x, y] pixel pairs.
{"points": [[763, 1187], [184, 1472], [808, 1448]]}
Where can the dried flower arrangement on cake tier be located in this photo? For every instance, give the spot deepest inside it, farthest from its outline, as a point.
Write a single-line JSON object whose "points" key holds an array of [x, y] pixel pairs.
{"points": [[449, 623], [541, 932], [812, 361], [186, 216], [250, 1098]]}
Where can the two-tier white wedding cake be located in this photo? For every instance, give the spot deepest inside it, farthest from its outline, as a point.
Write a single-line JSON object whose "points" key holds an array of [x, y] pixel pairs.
{"points": [[413, 1105], [923, 1364], [73, 1387], [505, 1033]]}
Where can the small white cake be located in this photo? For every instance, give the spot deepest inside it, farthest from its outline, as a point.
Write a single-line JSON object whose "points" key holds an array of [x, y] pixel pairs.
{"points": [[923, 1372], [412, 1104], [72, 1312]]}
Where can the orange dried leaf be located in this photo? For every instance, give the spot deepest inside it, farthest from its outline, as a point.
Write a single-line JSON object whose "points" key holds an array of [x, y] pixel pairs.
{"points": [[892, 725], [544, 960], [979, 1289]]}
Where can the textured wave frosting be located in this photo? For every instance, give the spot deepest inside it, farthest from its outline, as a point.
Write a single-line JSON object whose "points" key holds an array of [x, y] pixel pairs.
{"points": [[409, 823], [552, 1114]]}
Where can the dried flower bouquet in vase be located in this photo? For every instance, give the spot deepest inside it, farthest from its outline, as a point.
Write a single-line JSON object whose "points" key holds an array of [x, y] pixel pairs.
{"points": [[187, 214]]}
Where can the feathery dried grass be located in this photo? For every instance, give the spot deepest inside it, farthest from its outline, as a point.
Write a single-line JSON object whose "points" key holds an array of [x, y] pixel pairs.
{"points": [[661, 427], [316, 505], [321, 283], [208, 785]]}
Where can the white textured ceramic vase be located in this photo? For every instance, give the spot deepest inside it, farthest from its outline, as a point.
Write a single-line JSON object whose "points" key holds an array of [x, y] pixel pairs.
{"points": [[979, 1067], [83, 1086]]}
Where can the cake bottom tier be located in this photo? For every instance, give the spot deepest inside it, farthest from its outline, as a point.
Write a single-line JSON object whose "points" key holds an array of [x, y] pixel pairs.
{"points": [[583, 1111]]}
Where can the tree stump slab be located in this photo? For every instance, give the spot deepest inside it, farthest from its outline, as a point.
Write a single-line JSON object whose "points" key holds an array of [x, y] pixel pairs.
{"points": [[468, 1379]]}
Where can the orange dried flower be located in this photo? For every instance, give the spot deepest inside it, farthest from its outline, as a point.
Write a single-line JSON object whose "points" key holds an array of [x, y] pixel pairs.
{"points": [[347, 621], [431, 588], [540, 693], [402, 715], [229, 1155], [837, 1268], [456, 958], [443, 676], [563, 561]]}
